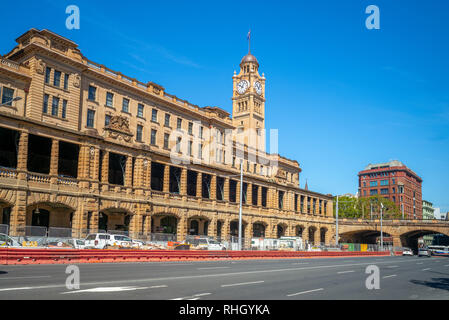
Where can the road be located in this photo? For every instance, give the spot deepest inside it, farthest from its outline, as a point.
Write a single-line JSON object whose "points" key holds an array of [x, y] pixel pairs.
{"points": [[334, 278]]}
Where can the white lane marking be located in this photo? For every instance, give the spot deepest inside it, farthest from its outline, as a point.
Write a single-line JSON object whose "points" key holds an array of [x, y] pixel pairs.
{"points": [[393, 275], [212, 268], [300, 263], [304, 292], [446, 265], [112, 289], [392, 266], [240, 284], [15, 278], [203, 276], [426, 269], [194, 297], [342, 272], [420, 262]]}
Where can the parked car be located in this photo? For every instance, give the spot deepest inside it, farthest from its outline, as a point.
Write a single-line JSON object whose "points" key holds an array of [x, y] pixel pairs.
{"points": [[7, 241], [203, 243], [97, 241], [77, 243], [424, 252], [407, 252]]}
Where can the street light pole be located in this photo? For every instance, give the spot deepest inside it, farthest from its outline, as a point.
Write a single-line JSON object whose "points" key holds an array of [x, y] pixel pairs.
{"points": [[336, 227], [240, 209], [381, 232]]}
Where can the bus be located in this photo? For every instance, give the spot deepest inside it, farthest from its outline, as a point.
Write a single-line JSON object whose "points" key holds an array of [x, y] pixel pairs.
{"points": [[439, 250]]}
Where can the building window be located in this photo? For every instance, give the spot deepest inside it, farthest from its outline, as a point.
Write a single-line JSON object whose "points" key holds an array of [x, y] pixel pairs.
{"points": [[139, 133], [190, 128], [384, 182], [64, 109], [153, 137], [189, 149], [47, 75], [394, 181], [57, 78], [373, 192], [66, 81], [166, 140], [200, 151], [107, 120], [178, 144], [383, 191], [45, 107], [7, 96], [179, 124], [201, 132], [109, 99], [373, 184], [167, 120], [125, 105], [154, 115], [90, 118], [55, 106], [140, 110], [92, 93]]}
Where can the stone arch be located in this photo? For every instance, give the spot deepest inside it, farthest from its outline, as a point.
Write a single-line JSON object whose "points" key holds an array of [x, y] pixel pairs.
{"points": [[323, 235], [409, 239], [281, 229], [259, 229], [299, 230], [198, 223], [49, 214], [312, 230], [39, 198]]}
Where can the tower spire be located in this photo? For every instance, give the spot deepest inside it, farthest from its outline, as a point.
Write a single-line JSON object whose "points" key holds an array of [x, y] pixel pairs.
{"points": [[249, 41]]}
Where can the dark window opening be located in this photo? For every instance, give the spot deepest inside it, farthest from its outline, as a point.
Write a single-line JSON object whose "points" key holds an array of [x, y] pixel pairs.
{"points": [[219, 227], [258, 230], [232, 191], [117, 169], [296, 202], [6, 216], [192, 177], [206, 184], [255, 193], [280, 231], [244, 193], [40, 218], [175, 179], [169, 225], [9, 148], [157, 176], [220, 188], [281, 200], [323, 235], [264, 197], [299, 231], [68, 159], [39, 153], [194, 228]]}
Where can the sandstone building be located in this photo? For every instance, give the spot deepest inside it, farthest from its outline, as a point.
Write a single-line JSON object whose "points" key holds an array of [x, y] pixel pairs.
{"points": [[87, 148]]}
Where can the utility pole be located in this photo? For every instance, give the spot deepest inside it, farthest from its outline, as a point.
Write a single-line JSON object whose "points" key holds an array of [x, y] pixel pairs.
{"points": [[336, 227]]}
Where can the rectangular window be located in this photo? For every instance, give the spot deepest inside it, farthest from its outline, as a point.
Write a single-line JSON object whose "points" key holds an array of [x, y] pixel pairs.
{"points": [[189, 148], [125, 105], [7, 96], [190, 128], [64, 109], [384, 182], [107, 120], [55, 106], [45, 106], [373, 184], [383, 191], [153, 137], [92, 93], [373, 192], [109, 99], [201, 132], [178, 145], [166, 140], [200, 151], [90, 118], [140, 110], [47, 75], [57, 78], [179, 124], [154, 115], [66, 81], [167, 120], [139, 133]]}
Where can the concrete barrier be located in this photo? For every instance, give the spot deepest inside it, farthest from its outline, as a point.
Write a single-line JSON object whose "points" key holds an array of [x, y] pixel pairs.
{"points": [[13, 256]]}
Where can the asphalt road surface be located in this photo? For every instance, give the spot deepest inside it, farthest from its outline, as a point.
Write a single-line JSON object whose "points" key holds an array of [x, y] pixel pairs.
{"points": [[400, 278]]}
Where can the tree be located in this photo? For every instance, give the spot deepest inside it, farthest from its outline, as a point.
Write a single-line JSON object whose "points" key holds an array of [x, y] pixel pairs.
{"points": [[361, 208]]}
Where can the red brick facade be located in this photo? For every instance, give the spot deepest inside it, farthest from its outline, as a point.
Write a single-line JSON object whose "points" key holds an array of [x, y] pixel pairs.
{"points": [[396, 182]]}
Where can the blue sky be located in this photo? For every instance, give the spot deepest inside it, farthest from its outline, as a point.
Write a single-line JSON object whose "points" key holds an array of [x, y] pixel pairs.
{"points": [[341, 96]]}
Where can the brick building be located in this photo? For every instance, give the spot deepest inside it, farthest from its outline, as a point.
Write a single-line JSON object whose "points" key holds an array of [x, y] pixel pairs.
{"points": [[394, 181], [88, 148]]}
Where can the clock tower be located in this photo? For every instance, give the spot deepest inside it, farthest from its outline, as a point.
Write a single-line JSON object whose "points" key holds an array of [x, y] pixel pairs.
{"points": [[248, 102]]}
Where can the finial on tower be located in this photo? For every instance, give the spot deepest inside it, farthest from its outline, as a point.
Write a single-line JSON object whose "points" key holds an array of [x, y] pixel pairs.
{"points": [[249, 41]]}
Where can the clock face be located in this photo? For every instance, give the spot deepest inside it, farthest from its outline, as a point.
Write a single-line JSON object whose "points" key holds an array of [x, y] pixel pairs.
{"points": [[242, 86], [258, 88]]}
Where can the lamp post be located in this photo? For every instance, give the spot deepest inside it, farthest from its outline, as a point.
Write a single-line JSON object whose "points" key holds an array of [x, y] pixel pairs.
{"points": [[381, 232], [9, 101], [240, 208], [336, 226]]}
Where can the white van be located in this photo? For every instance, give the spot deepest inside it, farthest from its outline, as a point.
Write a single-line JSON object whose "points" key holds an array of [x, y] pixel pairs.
{"points": [[200, 243], [104, 240]]}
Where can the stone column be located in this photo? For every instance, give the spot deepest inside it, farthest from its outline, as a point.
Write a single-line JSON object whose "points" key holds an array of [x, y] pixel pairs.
{"points": [[166, 187], [304, 208], [225, 232], [226, 190], [212, 228], [129, 172], [139, 177], [181, 230], [199, 185], [259, 196], [22, 155], [54, 158], [237, 192], [18, 214], [249, 194], [183, 190], [94, 166], [213, 187], [105, 167], [248, 234], [147, 174]]}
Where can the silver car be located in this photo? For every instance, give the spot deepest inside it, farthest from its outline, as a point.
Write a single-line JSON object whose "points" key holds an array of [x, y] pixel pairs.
{"points": [[424, 252]]}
